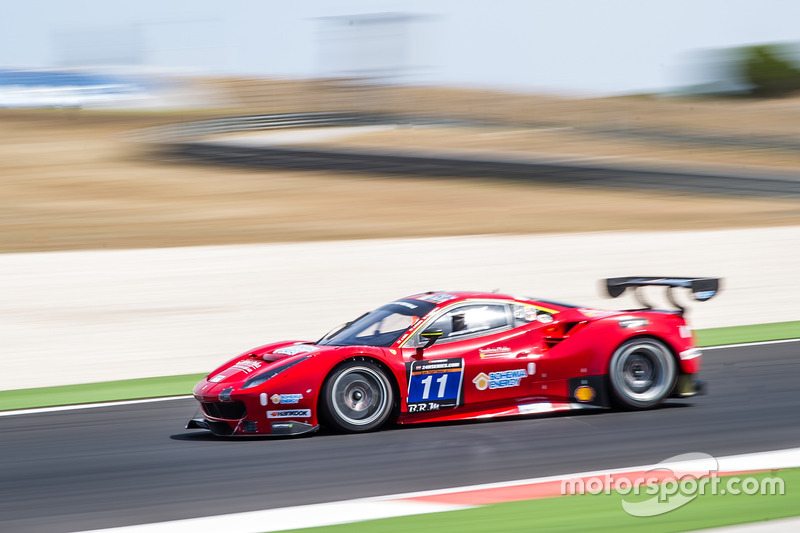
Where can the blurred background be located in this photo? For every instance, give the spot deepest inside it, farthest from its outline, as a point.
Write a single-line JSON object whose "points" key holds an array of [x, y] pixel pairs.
{"points": [[166, 125], [572, 47]]}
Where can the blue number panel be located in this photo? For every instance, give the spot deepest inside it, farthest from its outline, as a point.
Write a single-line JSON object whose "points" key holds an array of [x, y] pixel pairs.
{"points": [[435, 384]]}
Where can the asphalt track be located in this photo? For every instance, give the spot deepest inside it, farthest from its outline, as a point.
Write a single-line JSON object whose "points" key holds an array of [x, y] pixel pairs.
{"points": [[468, 166], [132, 464]]}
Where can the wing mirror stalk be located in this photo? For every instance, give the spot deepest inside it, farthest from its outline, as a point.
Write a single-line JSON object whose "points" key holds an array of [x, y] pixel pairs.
{"points": [[430, 335]]}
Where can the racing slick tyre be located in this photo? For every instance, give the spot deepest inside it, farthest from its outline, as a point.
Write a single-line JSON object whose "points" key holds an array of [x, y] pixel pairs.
{"points": [[642, 373], [357, 397]]}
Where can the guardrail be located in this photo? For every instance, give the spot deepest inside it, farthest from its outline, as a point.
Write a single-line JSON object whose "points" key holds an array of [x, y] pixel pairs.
{"points": [[189, 130]]}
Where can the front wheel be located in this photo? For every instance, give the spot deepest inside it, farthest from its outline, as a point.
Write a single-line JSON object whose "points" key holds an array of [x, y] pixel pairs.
{"points": [[357, 397], [642, 373]]}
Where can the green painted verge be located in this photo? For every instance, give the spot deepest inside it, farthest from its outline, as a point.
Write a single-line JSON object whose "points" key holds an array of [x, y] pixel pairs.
{"points": [[602, 512], [130, 389], [754, 333]]}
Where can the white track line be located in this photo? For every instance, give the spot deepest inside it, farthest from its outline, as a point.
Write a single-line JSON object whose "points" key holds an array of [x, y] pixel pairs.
{"points": [[150, 400], [741, 345], [397, 504]]}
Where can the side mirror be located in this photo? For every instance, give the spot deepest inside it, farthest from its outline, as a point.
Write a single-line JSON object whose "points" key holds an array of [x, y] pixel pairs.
{"points": [[430, 335]]}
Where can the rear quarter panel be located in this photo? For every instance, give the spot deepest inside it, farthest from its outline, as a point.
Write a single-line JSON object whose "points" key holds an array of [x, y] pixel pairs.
{"points": [[668, 327]]}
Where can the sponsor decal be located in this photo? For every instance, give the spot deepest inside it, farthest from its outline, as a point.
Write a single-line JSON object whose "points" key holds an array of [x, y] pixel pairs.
{"points": [[533, 408], [435, 384], [494, 352], [690, 354], [296, 349], [531, 369], [290, 413], [596, 312], [585, 393], [499, 380], [290, 428], [437, 298], [424, 407], [632, 322], [481, 381], [286, 398], [247, 365]]}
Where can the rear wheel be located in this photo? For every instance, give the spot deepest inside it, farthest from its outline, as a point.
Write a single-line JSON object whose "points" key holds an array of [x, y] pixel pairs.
{"points": [[357, 397], [642, 373]]}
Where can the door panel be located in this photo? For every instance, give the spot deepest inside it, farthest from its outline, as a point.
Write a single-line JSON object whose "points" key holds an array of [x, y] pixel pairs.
{"points": [[480, 353]]}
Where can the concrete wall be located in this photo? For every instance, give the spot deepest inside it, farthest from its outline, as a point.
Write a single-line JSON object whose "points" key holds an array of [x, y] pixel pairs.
{"points": [[78, 317]]}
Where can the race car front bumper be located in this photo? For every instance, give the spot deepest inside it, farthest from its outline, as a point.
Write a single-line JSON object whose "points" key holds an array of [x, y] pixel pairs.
{"points": [[246, 427]]}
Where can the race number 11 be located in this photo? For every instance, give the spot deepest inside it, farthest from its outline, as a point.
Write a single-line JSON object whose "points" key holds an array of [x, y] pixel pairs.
{"points": [[441, 380]]}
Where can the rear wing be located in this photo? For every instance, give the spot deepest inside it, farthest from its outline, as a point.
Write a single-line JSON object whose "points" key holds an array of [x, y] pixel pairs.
{"points": [[702, 288]]}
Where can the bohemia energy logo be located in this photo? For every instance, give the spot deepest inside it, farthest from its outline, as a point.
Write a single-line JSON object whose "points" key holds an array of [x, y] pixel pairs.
{"points": [[499, 380]]}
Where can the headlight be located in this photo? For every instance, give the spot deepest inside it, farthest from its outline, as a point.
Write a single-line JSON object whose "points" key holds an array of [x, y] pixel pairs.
{"points": [[258, 379]]}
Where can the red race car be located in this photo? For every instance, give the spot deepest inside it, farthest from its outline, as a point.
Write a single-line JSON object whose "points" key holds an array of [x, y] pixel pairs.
{"points": [[440, 356]]}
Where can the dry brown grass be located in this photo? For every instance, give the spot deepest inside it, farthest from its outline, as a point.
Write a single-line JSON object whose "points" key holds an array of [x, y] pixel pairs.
{"points": [[69, 180]]}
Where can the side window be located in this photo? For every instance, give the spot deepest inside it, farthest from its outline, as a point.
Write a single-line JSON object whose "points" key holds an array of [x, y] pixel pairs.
{"points": [[469, 320], [523, 314]]}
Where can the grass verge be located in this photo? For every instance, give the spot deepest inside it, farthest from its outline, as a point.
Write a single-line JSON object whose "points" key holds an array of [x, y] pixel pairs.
{"points": [[754, 333], [131, 389], [109, 391], [601, 512]]}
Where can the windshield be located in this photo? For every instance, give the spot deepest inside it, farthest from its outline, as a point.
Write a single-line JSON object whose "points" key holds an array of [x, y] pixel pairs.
{"points": [[381, 327]]}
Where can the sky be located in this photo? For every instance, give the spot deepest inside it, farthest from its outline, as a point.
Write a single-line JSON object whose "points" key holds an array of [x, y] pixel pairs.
{"points": [[555, 46]]}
